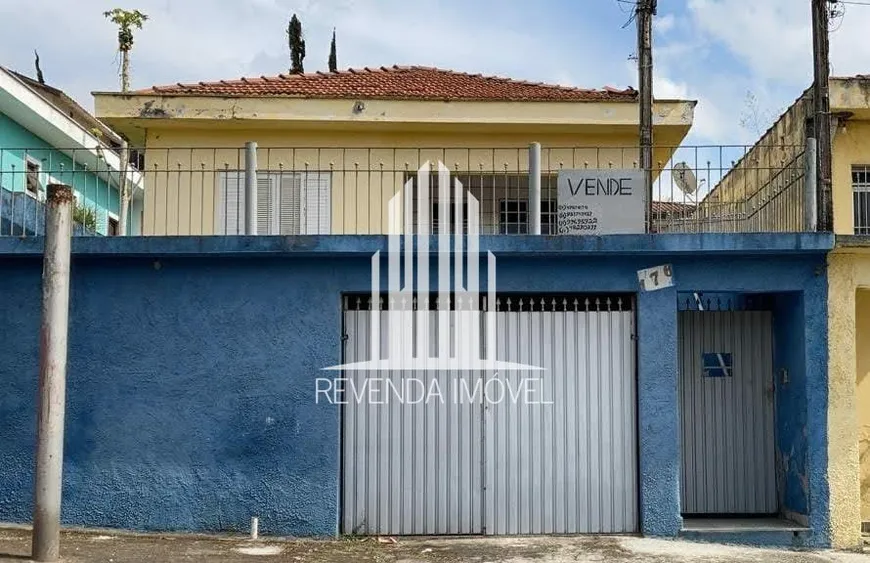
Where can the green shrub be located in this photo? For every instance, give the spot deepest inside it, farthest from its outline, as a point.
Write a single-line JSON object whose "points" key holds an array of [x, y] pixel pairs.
{"points": [[86, 217]]}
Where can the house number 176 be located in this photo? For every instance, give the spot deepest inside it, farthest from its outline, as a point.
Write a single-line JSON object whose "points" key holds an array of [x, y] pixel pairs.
{"points": [[655, 278]]}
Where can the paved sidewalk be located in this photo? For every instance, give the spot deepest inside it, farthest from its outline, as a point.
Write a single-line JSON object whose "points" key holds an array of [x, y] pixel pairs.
{"points": [[118, 548]]}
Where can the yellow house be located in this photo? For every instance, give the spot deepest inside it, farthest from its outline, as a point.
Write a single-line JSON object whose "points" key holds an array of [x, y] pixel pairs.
{"points": [[763, 176], [333, 148], [849, 311]]}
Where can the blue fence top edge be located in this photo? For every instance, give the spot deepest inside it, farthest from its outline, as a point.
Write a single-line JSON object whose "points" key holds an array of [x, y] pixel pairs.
{"points": [[365, 245]]}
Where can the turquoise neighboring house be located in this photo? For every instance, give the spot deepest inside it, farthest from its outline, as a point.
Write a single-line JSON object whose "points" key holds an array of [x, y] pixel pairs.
{"points": [[45, 138]]}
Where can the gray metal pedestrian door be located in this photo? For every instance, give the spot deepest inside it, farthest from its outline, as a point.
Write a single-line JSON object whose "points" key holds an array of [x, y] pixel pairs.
{"points": [[554, 457], [726, 395]]}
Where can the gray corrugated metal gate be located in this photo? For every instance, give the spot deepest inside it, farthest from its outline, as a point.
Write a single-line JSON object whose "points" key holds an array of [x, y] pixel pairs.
{"points": [[726, 396], [500, 466], [410, 465]]}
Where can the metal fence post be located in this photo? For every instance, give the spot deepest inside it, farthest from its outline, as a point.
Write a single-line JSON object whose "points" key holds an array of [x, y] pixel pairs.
{"points": [[52, 373], [535, 188], [250, 188], [811, 163]]}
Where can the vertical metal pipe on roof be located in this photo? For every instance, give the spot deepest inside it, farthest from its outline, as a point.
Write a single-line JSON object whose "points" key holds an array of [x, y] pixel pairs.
{"points": [[250, 188], [811, 161], [535, 188]]}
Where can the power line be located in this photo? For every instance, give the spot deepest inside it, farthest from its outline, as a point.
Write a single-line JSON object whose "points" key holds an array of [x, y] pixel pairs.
{"points": [[632, 5], [631, 10], [837, 12], [837, 17]]}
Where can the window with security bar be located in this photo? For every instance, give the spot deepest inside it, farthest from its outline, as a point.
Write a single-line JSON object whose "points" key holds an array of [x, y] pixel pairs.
{"points": [[288, 203], [514, 217], [861, 199], [34, 186], [437, 225], [503, 201]]}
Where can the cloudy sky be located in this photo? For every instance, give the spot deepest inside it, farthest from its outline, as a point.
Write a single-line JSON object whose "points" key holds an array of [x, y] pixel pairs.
{"points": [[714, 51]]}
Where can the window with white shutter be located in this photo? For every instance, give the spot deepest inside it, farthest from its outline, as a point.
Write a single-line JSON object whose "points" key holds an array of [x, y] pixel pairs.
{"points": [[288, 203], [316, 200], [291, 186], [267, 217], [231, 204]]}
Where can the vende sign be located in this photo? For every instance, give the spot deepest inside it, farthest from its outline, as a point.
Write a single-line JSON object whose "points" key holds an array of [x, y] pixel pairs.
{"points": [[600, 202]]}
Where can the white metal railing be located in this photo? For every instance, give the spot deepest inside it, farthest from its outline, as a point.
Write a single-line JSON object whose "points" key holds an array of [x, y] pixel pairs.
{"points": [[346, 190]]}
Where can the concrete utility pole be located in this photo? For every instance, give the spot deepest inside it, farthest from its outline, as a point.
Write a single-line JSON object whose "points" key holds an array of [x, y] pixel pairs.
{"points": [[52, 373], [822, 110], [646, 9]]}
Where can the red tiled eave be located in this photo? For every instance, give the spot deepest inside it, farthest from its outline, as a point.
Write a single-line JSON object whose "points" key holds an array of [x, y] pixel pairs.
{"points": [[667, 207], [394, 83]]}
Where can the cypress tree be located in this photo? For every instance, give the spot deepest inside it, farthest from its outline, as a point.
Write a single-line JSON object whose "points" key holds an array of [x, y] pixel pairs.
{"points": [[297, 45], [333, 58]]}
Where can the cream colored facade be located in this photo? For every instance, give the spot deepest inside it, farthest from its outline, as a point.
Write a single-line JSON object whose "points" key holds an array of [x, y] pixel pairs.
{"points": [[848, 393], [862, 352], [849, 320], [366, 154]]}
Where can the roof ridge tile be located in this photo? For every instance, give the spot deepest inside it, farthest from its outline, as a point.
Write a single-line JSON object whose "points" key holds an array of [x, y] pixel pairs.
{"points": [[406, 82]]}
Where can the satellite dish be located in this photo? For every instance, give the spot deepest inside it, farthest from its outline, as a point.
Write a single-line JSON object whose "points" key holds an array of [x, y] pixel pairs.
{"points": [[685, 178]]}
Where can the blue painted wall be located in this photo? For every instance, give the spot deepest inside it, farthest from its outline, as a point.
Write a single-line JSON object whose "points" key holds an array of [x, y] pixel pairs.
{"points": [[191, 395], [791, 400], [17, 144]]}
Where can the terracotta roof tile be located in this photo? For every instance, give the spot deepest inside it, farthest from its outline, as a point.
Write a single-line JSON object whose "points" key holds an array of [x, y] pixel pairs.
{"points": [[669, 207], [394, 83]]}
